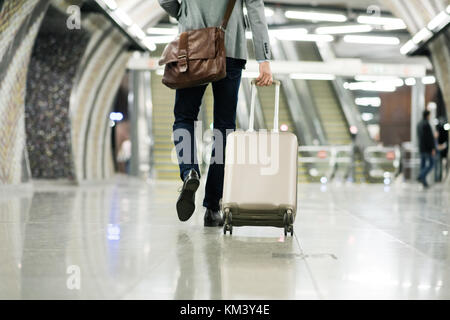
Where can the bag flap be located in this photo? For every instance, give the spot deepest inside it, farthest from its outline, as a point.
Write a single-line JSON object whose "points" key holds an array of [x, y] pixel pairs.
{"points": [[201, 45]]}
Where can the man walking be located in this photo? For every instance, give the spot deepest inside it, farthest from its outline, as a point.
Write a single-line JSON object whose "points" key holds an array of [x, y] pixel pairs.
{"points": [[198, 14], [427, 148]]}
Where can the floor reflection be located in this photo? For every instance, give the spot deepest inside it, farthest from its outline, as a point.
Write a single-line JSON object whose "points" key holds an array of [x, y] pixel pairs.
{"points": [[351, 242]]}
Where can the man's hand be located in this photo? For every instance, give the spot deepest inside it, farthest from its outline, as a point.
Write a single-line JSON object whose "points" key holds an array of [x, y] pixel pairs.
{"points": [[265, 75]]}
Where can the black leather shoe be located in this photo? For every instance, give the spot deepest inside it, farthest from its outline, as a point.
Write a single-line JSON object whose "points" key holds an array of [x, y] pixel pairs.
{"points": [[213, 218], [186, 199]]}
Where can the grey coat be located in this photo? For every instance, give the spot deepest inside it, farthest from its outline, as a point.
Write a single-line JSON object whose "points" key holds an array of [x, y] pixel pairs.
{"points": [[198, 14]]}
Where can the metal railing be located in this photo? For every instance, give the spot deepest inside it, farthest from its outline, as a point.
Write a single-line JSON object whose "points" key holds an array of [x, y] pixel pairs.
{"points": [[382, 163], [410, 161], [325, 162]]}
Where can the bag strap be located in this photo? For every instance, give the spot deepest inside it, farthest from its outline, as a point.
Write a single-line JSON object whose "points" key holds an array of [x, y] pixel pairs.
{"points": [[228, 13], [182, 52]]}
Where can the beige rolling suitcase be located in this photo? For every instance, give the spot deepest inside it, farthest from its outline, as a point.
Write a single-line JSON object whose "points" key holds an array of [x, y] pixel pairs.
{"points": [[260, 185]]}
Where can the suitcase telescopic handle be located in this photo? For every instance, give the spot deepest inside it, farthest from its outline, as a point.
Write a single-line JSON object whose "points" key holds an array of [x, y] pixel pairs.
{"points": [[251, 126]]}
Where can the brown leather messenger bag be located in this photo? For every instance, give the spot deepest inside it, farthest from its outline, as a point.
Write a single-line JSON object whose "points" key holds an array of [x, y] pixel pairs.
{"points": [[196, 57]]}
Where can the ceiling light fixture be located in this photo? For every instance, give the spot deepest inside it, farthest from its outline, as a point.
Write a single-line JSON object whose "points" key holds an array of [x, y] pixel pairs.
{"points": [[307, 76], [410, 81], [429, 80], [370, 86], [299, 35], [386, 22], [315, 16], [344, 29], [111, 4], [398, 82], [372, 40], [269, 12], [149, 44], [439, 21], [136, 31], [368, 102], [408, 47], [124, 18], [422, 36]]}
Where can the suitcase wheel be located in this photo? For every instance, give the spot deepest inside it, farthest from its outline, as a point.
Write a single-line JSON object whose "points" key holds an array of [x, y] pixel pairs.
{"points": [[228, 226], [288, 219], [289, 229]]}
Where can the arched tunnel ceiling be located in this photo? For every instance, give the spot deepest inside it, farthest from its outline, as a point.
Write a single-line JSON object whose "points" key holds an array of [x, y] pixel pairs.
{"points": [[147, 13]]}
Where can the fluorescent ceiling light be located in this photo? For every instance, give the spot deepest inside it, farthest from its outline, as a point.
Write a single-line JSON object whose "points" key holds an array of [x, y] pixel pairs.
{"points": [[164, 31], [307, 76], [126, 20], [448, 9], [393, 27], [398, 82], [372, 40], [441, 20], [429, 80], [267, 11], [111, 4], [149, 44], [137, 32], [368, 102], [344, 29], [410, 82], [407, 47], [422, 36], [392, 23], [291, 32], [370, 86], [297, 35], [315, 16], [160, 39], [367, 116]]}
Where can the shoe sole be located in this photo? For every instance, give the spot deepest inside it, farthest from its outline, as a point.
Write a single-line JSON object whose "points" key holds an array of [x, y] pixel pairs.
{"points": [[185, 205]]}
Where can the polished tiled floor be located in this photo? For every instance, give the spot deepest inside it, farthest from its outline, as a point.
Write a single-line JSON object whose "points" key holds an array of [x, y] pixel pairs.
{"points": [[361, 241]]}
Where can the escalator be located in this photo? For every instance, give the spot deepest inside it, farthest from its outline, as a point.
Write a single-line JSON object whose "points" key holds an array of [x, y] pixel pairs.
{"points": [[328, 108], [163, 100], [325, 99]]}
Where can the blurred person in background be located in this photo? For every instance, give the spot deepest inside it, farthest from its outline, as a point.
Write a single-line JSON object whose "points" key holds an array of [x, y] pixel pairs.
{"points": [[427, 148], [442, 153]]}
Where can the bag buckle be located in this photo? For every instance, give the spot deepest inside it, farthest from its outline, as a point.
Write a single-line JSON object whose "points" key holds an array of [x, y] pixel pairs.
{"points": [[182, 63]]}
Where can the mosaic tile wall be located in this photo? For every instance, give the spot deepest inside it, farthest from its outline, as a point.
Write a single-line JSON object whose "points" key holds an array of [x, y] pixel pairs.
{"points": [[19, 24], [61, 116], [102, 162], [54, 62], [90, 102]]}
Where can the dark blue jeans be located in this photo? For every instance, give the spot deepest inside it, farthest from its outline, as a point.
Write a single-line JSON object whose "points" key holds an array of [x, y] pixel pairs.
{"points": [[187, 107], [426, 164]]}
